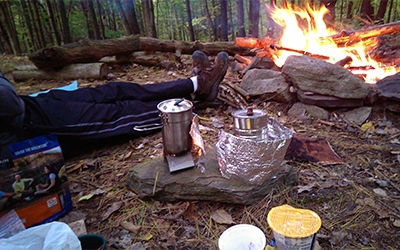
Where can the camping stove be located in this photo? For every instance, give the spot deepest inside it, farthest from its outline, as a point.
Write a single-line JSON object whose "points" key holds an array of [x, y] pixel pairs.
{"points": [[179, 162]]}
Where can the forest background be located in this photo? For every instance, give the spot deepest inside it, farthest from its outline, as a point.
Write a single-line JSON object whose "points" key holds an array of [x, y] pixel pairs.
{"points": [[29, 25]]}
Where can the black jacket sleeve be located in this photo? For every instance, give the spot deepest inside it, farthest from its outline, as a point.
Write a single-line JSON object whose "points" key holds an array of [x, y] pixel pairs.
{"points": [[11, 105]]}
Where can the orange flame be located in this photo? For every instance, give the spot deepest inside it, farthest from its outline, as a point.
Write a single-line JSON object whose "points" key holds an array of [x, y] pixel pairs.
{"points": [[303, 30]]}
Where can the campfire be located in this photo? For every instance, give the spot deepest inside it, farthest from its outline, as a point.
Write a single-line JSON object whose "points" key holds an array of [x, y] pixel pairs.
{"points": [[304, 32]]}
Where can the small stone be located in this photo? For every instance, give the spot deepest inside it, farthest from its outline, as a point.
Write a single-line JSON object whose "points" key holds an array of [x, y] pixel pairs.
{"points": [[382, 183], [379, 191]]}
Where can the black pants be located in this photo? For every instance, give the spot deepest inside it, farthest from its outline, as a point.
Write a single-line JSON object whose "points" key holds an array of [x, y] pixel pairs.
{"points": [[107, 112]]}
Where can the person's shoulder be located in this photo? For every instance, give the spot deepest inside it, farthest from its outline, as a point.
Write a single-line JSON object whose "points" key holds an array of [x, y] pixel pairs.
{"points": [[52, 175]]}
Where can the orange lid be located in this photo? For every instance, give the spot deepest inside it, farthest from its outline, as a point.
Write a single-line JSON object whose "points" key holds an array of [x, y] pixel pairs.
{"points": [[293, 222]]}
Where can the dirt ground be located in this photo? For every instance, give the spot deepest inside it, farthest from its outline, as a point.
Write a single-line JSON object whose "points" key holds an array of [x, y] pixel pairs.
{"points": [[358, 201]]}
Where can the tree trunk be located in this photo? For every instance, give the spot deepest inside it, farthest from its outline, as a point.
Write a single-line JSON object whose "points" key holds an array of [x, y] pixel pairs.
{"points": [[101, 18], [93, 20], [390, 10], [66, 34], [29, 20], [73, 71], [148, 14], [53, 25], [254, 13], [241, 32], [131, 17], [6, 19], [210, 21], [38, 24], [85, 11], [349, 10], [367, 10], [83, 52], [381, 10], [224, 20], [123, 17], [189, 16]]}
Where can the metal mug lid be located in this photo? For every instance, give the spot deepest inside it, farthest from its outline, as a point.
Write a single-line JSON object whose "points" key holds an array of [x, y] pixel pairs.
{"points": [[250, 118], [175, 105]]}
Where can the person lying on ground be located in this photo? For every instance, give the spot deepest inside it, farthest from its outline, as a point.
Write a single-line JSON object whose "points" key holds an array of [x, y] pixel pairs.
{"points": [[87, 116]]}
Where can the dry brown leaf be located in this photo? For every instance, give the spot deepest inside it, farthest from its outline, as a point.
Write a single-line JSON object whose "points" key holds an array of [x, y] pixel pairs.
{"points": [[222, 217], [305, 188], [190, 213], [115, 206], [131, 227], [77, 166]]}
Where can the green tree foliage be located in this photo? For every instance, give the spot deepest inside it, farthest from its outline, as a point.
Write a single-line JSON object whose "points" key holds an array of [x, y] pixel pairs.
{"points": [[26, 26]]}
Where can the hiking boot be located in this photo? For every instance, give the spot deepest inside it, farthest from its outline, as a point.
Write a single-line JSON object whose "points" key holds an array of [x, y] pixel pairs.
{"points": [[210, 78], [199, 61]]}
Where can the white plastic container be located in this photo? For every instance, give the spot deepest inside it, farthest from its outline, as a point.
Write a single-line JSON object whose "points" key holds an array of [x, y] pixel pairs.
{"points": [[242, 236]]}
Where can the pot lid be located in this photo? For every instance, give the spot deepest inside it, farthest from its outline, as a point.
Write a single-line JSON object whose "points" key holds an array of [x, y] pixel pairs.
{"points": [[250, 118], [175, 105]]}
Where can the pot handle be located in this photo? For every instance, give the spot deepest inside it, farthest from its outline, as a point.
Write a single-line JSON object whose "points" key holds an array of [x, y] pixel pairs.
{"points": [[147, 127]]}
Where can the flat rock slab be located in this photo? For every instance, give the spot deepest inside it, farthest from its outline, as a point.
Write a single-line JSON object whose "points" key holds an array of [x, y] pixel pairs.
{"points": [[152, 179]]}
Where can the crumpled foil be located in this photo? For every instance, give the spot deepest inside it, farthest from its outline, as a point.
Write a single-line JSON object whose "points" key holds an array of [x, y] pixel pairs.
{"points": [[253, 160], [198, 144]]}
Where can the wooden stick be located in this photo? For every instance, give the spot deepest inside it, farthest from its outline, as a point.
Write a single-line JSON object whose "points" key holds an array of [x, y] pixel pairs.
{"points": [[239, 90], [277, 47]]}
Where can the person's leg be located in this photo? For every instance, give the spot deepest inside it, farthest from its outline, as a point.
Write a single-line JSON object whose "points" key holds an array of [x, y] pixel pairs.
{"points": [[87, 121], [119, 91]]}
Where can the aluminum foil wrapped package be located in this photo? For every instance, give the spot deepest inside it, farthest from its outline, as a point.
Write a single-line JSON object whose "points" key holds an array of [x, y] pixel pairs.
{"points": [[254, 160]]}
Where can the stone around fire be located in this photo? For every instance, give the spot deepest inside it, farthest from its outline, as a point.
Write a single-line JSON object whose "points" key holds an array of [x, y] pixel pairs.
{"points": [[320, 77]]}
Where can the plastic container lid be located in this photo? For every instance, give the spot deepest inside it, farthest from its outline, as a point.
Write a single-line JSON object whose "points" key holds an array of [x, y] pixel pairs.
{"points": [[293, 222], [174, 105]]}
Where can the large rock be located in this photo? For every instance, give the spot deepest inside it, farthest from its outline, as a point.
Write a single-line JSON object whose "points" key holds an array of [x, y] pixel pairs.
{"points": [[328, 101], [152, 179], [389, 89], [320, 77], [268, 83]]}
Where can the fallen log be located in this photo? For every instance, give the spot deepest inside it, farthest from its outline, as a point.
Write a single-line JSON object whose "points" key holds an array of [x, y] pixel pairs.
{"points": [[92, 51], [210, 48], [85, 51], [74, 71]]}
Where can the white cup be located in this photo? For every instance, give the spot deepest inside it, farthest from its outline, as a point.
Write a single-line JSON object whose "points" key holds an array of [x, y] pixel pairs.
{"points": [[242, 237]]}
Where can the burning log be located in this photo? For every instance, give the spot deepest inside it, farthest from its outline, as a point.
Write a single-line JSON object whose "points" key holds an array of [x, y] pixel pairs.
{"points": [[344, 61], [348, 38], [277, 47], [267, 43]]}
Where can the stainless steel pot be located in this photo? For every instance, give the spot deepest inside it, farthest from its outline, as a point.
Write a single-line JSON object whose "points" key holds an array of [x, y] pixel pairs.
{"points": [[176, 117], [250, 123]]}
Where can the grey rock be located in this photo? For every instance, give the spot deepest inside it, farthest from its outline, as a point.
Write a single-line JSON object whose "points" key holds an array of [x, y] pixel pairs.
{"points": [[300, 109], [328, 101], [389, 87], [268, 83], [320, 77], [358, 116], [152, 179]]}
